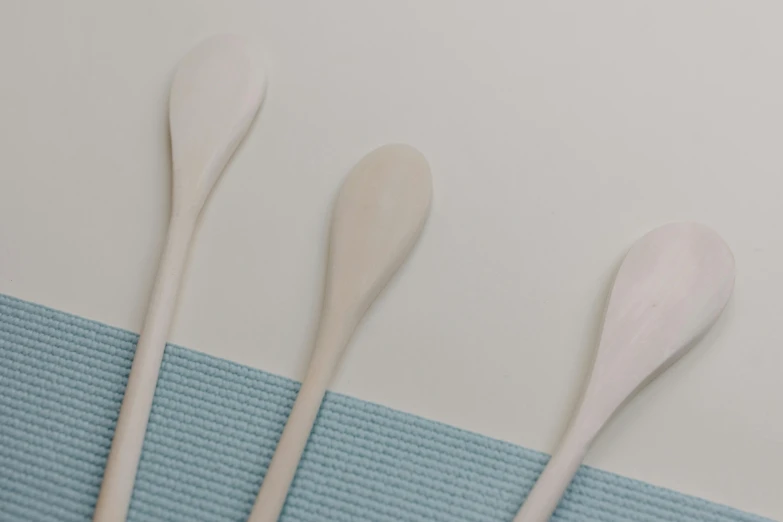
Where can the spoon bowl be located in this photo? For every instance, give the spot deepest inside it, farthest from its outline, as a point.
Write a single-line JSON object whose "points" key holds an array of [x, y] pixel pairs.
{"points": [[215, 95]]}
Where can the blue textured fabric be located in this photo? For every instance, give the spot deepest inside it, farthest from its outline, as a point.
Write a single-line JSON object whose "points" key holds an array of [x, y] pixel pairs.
{"points": [[214, 426]]}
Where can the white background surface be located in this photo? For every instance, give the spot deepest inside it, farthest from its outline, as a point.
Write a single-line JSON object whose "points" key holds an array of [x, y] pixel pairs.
{"points": [[558, 132]]}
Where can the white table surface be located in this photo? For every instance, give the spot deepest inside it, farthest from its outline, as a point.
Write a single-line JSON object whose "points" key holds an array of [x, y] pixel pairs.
{"points": [[558, 132]]}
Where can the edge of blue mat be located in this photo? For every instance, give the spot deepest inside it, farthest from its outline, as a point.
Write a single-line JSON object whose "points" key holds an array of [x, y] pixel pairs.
{"points": [[213, 429]]}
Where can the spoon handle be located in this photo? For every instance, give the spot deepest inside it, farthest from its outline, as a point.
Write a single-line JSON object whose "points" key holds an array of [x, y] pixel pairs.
{"points": [[119, 477], [331, 340], [546, 493], [282, 468]]}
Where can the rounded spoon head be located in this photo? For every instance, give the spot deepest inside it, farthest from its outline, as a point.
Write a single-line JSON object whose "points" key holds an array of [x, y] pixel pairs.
{"points": [[671, 287], [216, 92], [378, 217]]}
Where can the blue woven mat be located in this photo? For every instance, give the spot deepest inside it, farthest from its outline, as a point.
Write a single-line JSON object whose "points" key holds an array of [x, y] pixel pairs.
{"points": [[213, 428]]}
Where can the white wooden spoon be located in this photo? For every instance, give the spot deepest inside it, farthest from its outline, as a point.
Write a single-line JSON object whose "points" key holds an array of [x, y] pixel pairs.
{"points": [[378, 217], [215, 94], [670, 289]]}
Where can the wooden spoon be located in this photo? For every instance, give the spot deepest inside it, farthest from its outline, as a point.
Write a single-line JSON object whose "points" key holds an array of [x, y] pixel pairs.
{"points": [[378, 217], [670, 289], [215, 94]]}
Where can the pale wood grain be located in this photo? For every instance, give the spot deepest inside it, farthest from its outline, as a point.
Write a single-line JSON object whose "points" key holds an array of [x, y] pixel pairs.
{"points": [[670, 289]]}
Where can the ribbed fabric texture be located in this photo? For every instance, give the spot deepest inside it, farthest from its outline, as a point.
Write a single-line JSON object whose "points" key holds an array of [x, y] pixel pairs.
{"points": [[213, 429]]}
